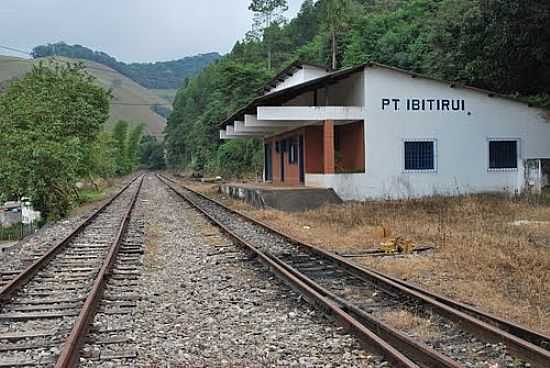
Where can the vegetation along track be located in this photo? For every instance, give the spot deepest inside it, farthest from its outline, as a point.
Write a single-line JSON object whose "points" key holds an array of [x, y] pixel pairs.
{"points": [[408, 325], [46, 311]]}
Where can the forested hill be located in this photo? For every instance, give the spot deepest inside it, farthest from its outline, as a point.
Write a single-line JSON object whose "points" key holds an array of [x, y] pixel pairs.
{"points": [[500, 45], [130, 101], [159, 75]]}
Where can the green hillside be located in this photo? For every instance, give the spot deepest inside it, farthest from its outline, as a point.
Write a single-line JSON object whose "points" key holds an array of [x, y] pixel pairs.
{"points": [[131, 101], [159, 75], [167, 94]]}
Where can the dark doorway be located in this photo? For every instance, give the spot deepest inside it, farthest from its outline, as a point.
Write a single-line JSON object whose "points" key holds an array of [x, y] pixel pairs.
{"points": [[301, 159], [268, 162]]}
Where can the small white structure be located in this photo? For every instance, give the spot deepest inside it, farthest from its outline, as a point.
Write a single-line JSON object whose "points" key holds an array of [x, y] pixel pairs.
{"points": [[12, 213], [420, 136], [29, 215]]}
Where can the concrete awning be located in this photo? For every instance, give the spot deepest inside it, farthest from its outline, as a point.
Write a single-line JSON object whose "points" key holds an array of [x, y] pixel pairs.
{"points": [[241, 127], [309, 113], [253, 128], [273, 120], [224, 136], [252, 121], [282, 96]]}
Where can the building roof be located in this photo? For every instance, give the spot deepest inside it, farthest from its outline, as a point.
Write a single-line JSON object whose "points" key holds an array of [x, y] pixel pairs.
{"points": [[288, 72], [284, 95], [281, 96], [12, 204]]}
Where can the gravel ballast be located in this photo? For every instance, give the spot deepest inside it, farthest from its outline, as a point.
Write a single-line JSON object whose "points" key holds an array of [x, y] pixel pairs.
{"points": [[20, 255], [206, 304], [16, 258]]}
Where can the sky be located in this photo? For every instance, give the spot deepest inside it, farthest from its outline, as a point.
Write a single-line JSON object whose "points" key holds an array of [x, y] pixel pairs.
{"points": [[130, 30]]}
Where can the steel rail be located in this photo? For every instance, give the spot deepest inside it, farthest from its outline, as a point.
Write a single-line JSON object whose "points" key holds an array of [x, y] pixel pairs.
{"points": [[70, 354], [22, 278], [489, 328], [328, 306], [526, 334], [534, 354], [419, 352]]}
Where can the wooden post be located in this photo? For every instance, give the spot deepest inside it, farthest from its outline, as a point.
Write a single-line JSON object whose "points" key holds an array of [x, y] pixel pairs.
{"points": [[328, 147]]}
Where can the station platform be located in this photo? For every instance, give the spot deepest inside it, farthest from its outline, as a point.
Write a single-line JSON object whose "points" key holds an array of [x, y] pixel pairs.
{"points": [[284, 198]]}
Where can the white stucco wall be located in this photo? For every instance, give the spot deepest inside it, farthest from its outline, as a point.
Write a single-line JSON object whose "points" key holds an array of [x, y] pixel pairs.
{"points": [[312, 72], [296, 78], [305, 74], [461, 137], [347, 186], [462, 141], [347, 92]]}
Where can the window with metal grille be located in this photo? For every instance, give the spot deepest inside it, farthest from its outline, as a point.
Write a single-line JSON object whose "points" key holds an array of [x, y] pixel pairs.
{"points": [[419, 155], [503, 154]]}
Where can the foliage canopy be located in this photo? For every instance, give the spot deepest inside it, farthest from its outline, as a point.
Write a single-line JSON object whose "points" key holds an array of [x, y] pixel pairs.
{"points": [[50, 121]]}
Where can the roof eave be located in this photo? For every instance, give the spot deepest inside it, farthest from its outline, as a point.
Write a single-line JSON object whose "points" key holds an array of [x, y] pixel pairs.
{"points": [[295, 90]]}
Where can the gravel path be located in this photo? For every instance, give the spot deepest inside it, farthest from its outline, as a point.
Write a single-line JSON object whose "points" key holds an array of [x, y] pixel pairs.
{"points": [[204, 304]]}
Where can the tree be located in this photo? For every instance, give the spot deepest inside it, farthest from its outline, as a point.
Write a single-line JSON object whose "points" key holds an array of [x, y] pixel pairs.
{"points": [[306, 25], [502, 45], [237, 158], [133, 140], [335, 14], [100, 160], [120, 135], [151, 153], [49, 121], [267, 14], [192, 137], [126, 143]]}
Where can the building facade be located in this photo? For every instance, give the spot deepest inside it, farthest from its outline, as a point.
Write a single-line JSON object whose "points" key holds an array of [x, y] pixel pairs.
{"points": [[375, 131]]}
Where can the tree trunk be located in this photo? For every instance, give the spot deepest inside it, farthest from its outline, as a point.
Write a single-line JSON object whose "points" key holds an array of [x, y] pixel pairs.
{"points": [[334, 47], [269, 57]]}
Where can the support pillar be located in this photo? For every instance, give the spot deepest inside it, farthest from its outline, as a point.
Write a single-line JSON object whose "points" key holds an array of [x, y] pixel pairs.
{"points": [[328, 147]]}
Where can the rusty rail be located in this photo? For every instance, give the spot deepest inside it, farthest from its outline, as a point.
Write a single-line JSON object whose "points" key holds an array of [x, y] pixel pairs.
{"points": [[525, 343], [313, 296], [71, 349], [21, 279], [522, 332]]}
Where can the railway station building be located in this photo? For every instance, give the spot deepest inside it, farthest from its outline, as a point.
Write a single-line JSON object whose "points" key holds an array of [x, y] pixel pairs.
{"points": [[377, 132]]}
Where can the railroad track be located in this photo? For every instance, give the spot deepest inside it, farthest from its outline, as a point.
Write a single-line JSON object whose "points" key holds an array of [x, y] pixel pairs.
{"points": [[110, 341], [46, 310], [366, 302]]}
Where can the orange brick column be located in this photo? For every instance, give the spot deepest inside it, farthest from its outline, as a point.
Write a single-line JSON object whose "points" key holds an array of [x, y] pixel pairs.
{"points": [[328, 147]]}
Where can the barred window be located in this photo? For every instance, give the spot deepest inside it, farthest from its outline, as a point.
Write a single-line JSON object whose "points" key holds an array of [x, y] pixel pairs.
{"points": [[419, 155], [503, 154]]}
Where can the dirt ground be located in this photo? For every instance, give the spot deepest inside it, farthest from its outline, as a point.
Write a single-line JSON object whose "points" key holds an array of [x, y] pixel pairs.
{"points": [[489, 251]]}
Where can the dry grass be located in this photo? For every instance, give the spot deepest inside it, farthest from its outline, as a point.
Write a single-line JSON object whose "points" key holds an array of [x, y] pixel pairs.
{"points": [[480, 258], [413, 324]]}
